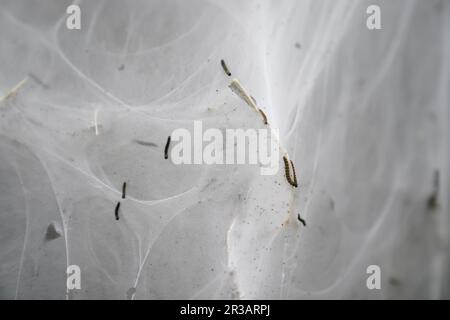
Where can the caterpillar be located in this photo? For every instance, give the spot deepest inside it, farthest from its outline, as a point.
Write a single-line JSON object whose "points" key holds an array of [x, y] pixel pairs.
{"points": [[124, 190], [13, 91], [432, 202], [145, 143], [225, 68], [295, 176], [95, 122], [263, 115], [288, 173], [301, 220], [37, 80], [166, 149], [116, 212]]}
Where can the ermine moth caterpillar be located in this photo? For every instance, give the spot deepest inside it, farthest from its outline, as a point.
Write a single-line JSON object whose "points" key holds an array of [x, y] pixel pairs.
{"points": [[116, 212], [295, 176], [166, 149], [263, 115], [225, 68]]}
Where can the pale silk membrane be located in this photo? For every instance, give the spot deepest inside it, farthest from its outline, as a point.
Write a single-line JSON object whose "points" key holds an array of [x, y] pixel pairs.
{"points": [[363, 115]]}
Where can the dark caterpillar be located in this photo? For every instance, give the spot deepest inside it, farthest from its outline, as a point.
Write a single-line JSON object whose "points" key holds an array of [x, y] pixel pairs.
{"points": [[225, 68], [116, 212], [263, 115], [301, 220], [432, 201], [288, 173], [145, 143], [124, 190], [295, 176]]}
